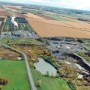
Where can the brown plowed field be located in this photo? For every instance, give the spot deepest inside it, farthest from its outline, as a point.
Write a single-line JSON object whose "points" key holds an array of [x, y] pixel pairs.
{"points": [[3, 13], [52, 28]]}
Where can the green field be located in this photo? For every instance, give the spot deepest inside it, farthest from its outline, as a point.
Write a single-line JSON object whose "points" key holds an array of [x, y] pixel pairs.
{"points": [[9, 26], [16, 73], [21, 41], [88, 45], [2, 19], [1, 26], [49, 83], [21, 26], [86, 57], [57, 17]]}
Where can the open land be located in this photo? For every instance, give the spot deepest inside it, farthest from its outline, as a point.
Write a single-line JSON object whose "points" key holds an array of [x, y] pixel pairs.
{"points": [[49, 83], [8, 54], [16, 73], [14, 41], [3, 12], [53, 28], [54, 50]]}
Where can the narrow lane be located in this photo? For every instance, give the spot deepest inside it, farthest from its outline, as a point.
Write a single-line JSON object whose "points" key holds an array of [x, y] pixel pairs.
{"points": [[31, 81]]}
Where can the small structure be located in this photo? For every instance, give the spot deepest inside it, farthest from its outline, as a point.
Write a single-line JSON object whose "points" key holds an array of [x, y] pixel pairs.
{"points": [[0, 22], [54, 43], [80, 77], [1, 58], [19, 58], [14, 22]]}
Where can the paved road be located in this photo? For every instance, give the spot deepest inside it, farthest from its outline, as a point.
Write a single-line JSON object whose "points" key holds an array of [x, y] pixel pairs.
{"points": [[31, 81]]}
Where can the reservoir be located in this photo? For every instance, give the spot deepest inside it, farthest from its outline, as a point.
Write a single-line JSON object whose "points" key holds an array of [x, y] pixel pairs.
{"points": [[43, 67]]}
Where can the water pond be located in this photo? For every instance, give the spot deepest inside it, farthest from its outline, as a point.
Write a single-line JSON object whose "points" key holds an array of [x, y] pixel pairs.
{"points": [[43, 67]]}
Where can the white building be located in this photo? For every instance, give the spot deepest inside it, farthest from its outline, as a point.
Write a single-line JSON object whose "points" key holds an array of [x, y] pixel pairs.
{"points": [[14, 22]]}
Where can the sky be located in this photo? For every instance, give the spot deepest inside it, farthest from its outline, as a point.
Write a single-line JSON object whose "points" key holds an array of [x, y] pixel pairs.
{"points": [[73, 4]]}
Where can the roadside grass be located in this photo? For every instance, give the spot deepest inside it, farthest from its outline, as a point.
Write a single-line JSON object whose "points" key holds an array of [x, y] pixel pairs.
{"points": [[20, 41], [49, 83], [15, 71], [86, 57], [87, 46]]}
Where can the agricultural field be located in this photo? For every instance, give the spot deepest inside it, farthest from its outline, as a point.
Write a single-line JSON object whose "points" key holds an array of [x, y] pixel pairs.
{"points": [[54, 28], [15, 71], [22, 25], [49, 83], [2, 19], [1, 25], [3, 12], [44, 34], [55, 16]]}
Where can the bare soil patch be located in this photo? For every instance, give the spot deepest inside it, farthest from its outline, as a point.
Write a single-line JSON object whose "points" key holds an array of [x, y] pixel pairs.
{"points": [[53, 28]]}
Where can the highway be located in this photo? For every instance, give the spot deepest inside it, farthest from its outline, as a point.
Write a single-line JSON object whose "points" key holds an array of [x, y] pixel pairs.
{"points": [[30, 78]]}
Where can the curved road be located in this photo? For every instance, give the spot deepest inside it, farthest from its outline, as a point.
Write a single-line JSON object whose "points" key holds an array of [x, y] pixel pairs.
{"points": [[31, 81]]}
